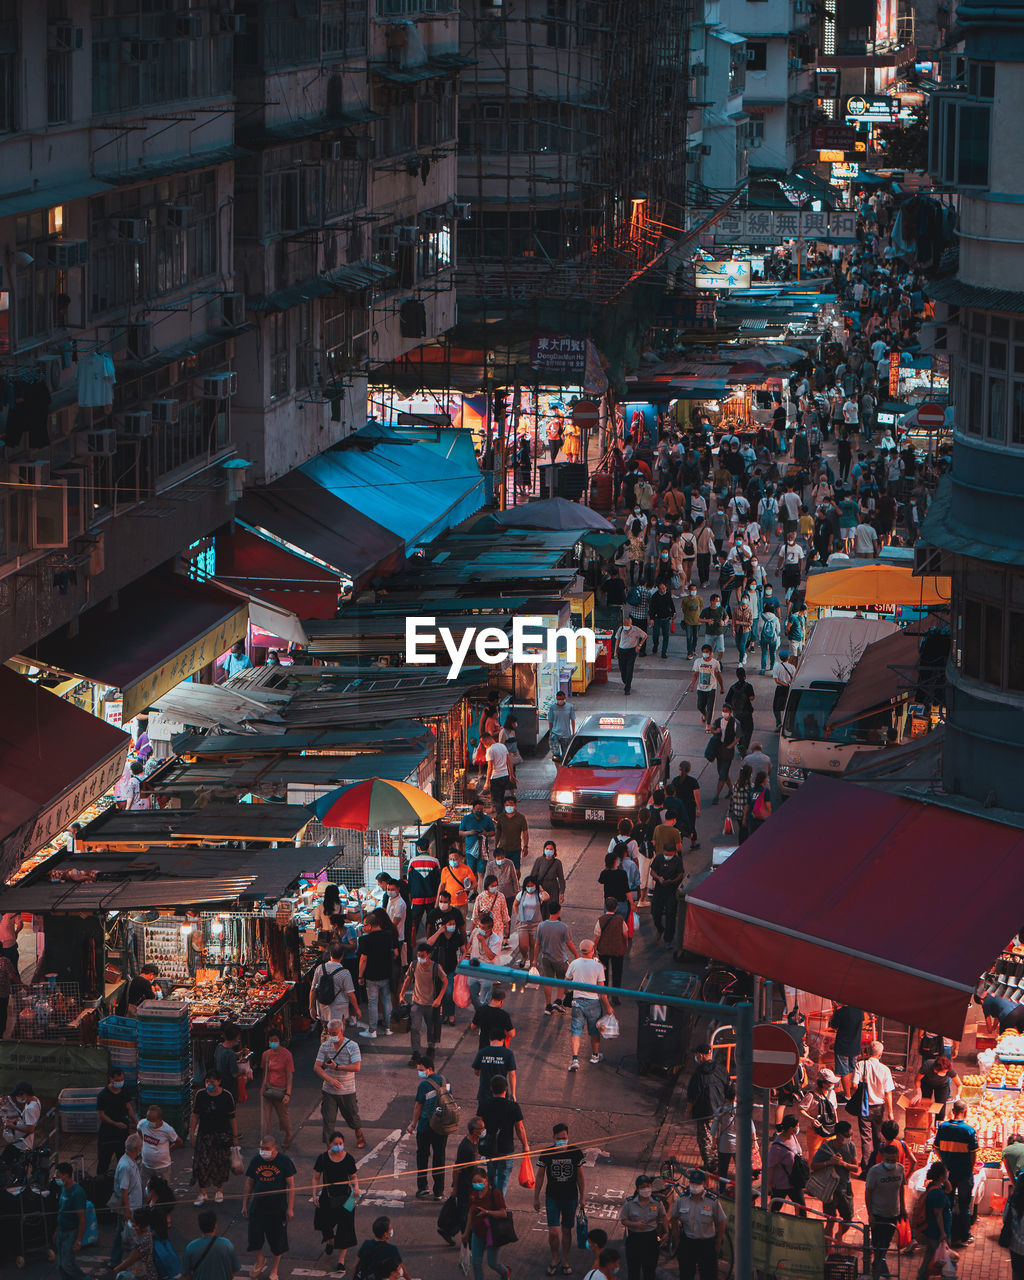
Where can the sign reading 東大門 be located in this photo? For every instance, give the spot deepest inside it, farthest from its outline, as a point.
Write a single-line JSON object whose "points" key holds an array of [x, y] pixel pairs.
{"points": [[558, 353]]}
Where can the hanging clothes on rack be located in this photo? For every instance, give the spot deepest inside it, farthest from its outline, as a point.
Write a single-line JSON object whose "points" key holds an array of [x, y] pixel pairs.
{"points": [[96, 381], [29, 413]]}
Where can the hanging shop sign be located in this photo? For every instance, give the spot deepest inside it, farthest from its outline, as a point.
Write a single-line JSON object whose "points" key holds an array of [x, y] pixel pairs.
{"points": [[872, 108], [771, 226], [558, 353], [827, 84], [833, 137], [894, 374], [723, 275], [688, 313]]}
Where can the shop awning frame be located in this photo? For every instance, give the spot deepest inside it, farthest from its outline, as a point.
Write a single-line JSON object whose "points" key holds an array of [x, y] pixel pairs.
{"points": [[885, 670], [260, 823], [832, 896]]}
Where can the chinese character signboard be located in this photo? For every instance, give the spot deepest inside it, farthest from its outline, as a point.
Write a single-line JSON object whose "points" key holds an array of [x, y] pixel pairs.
{"points": [[894, 374], [833, 137], [558, 353], [772, 226], [688, 313]]}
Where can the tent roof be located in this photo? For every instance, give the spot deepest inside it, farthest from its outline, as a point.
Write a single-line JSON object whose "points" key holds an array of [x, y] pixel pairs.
{"points": [[885, 669], [875, 584], [803, 901]]}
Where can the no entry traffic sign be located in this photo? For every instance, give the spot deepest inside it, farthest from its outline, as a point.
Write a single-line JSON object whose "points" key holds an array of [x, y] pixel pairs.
{"points": [[930, 414], [585, 414], [776, 1056]]}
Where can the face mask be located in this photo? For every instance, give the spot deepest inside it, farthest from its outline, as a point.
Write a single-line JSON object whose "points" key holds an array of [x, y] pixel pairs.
{"points": [[530, 891], [500, 862], [265, 1154], [422, 959], [337, 1148], [510, 808], [422, 1075], [449, 928], [116, 1085], [453, 862], [334, 1039], [211, 1088], [696, 1190], [561, 1142], [891, 1166], [275, 1044], [644, 1193], [392, 893]]}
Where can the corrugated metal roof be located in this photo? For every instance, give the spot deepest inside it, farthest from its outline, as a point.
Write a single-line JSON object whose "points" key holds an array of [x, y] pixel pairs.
{"points": [[174, 164], [44, 197], [123, 895], [358, 275], [212, 822], [958, 293], [228, 744]]}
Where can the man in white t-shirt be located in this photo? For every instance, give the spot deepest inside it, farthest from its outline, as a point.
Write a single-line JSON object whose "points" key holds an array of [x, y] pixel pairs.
{"points": [[791, 564], [851, 412], [879, 1087], [789, 511], [500, 775], [586, 1006], [865, 541], [707, 675], [158, 1141], [782, 673]]}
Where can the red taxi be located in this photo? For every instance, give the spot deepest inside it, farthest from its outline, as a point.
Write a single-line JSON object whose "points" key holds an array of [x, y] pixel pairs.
{"points": [[610, 768]]}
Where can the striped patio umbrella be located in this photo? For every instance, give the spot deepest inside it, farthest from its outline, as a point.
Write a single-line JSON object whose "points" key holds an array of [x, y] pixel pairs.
{"points": [[376, 804]]}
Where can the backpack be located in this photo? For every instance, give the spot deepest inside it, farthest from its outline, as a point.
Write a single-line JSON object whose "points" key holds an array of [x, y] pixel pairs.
{"points": [[688, 548], [799, 1174], [621, 846], [326, 989], [633, 595], [366, 1264], [769, 627], [445, 1117], [757, 809]]}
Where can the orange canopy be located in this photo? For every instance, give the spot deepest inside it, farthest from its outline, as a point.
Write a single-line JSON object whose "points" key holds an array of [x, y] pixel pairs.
{"points": [[875, 585]]}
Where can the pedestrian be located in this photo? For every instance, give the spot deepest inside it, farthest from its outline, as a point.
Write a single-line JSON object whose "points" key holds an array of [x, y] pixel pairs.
{"points": [[562, 1168], [626, 643], [687, 790], [426, 983], [725, 735], [937, 1081], [446, 934], [494, 1059], [500, 775], [430, 1142], [128, 1196], [839, 1154], [1013, 1218], [586, 1006], [705, 1094], [378, 1259], [819, 1106], [213, 1131], [742, 624], [277, 1067], [885, 1202], [140, 1263], [615, 884], [549, 875], [397, 911], [501, 875], [377, 946], [783, 1170], [716, 620], [771, 632], [526, 917], [424, 876], [877, 1101], [956, 1144], [723, 1132], [662, 615], [9, 979], [486, 1207], [692, 606], [158, 1141], [554, 947], [226, 1059], [707, 675], [645, 1224], [70, 1223], [561, 725], [211, 1256], [337, 1064], [611, 938], [467, 1158], [485, 947], [759, 804], [739, 802], [740, 697], [1013, 1156], [512, 838], [667, 872], [491, 902], [697, 1227], [475, 828], [847, 1022], [268, 1201], [117, 1119], [336, 1191], [492, 1017], [503, 1122], [938, 1216]]}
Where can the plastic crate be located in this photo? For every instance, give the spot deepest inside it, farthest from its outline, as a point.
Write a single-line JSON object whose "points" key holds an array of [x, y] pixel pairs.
{"points": [[126, 1028], [79, 1122]]}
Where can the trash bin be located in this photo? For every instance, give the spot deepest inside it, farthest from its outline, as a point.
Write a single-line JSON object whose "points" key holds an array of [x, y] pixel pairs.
{"points": [[603, 661], [663, 1030]]}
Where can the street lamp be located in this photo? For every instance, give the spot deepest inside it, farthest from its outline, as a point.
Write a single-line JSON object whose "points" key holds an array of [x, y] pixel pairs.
{"points": [[740, 1016]]}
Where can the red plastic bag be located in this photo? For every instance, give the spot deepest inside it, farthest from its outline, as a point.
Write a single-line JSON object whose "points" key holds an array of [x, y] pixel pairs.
{"points": [[903, 1234], [727, 826], [526, 1177], [460, 992]]}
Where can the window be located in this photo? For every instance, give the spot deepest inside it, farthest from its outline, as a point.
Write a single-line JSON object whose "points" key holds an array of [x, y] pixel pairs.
{"points": [[344, 28], [1017, 421], [990, 626], [279, 361], [757, 55], [9, 66], [995, 421], [396, 134], [960, 140], [737, 68], [989, 398], [345, 180], [434, 250], [138, 60], [399, 8], [58, 88], [981, 80], [558, 30]]}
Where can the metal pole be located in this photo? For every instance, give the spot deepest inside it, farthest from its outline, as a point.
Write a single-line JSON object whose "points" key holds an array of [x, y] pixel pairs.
{"points": [[740, 1017]]}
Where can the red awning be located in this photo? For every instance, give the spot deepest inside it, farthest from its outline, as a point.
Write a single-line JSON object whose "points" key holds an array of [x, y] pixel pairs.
{"points": [[885, 903], [884, 670], [55, 759]]}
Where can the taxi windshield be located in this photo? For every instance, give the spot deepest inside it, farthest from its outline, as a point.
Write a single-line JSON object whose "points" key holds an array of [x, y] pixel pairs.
{"points": [[606, 753]]}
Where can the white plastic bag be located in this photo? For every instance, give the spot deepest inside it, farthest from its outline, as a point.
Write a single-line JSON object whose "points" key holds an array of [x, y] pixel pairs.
{"points": [[608, 1026], [465, 1260]]}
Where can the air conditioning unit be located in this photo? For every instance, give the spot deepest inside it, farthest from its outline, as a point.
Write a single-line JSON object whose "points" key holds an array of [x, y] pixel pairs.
{"points": [[134, 52], [930, 562], [66, 254], [102, 444], [796, 64], [407, 235], [61, 37], [233, 23], [129, 230], [312, 365], [137, 423], [331, 150], [705, 150], [218, 386], [357, 147], [692, 156], [460, 211], [232, 309], [51, 368], [50, 517], [139, 339], [434, 221], [30, 473], [178, 216], [189, 25], [165, 412]]}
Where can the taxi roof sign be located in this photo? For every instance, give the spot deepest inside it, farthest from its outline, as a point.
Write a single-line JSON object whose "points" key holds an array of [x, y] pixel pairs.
{"points": [[611, 722]]}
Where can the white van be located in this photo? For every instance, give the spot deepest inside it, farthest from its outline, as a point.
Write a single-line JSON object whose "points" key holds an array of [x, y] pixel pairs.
{"points": [[832, 651]]}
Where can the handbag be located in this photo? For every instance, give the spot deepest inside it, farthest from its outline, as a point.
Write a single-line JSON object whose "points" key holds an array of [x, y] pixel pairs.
{"points": [[712, 749], [236, 1160], [503, 1230], [274, 1092], [823, 1183], [582, 1229], [855, 1106]]}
